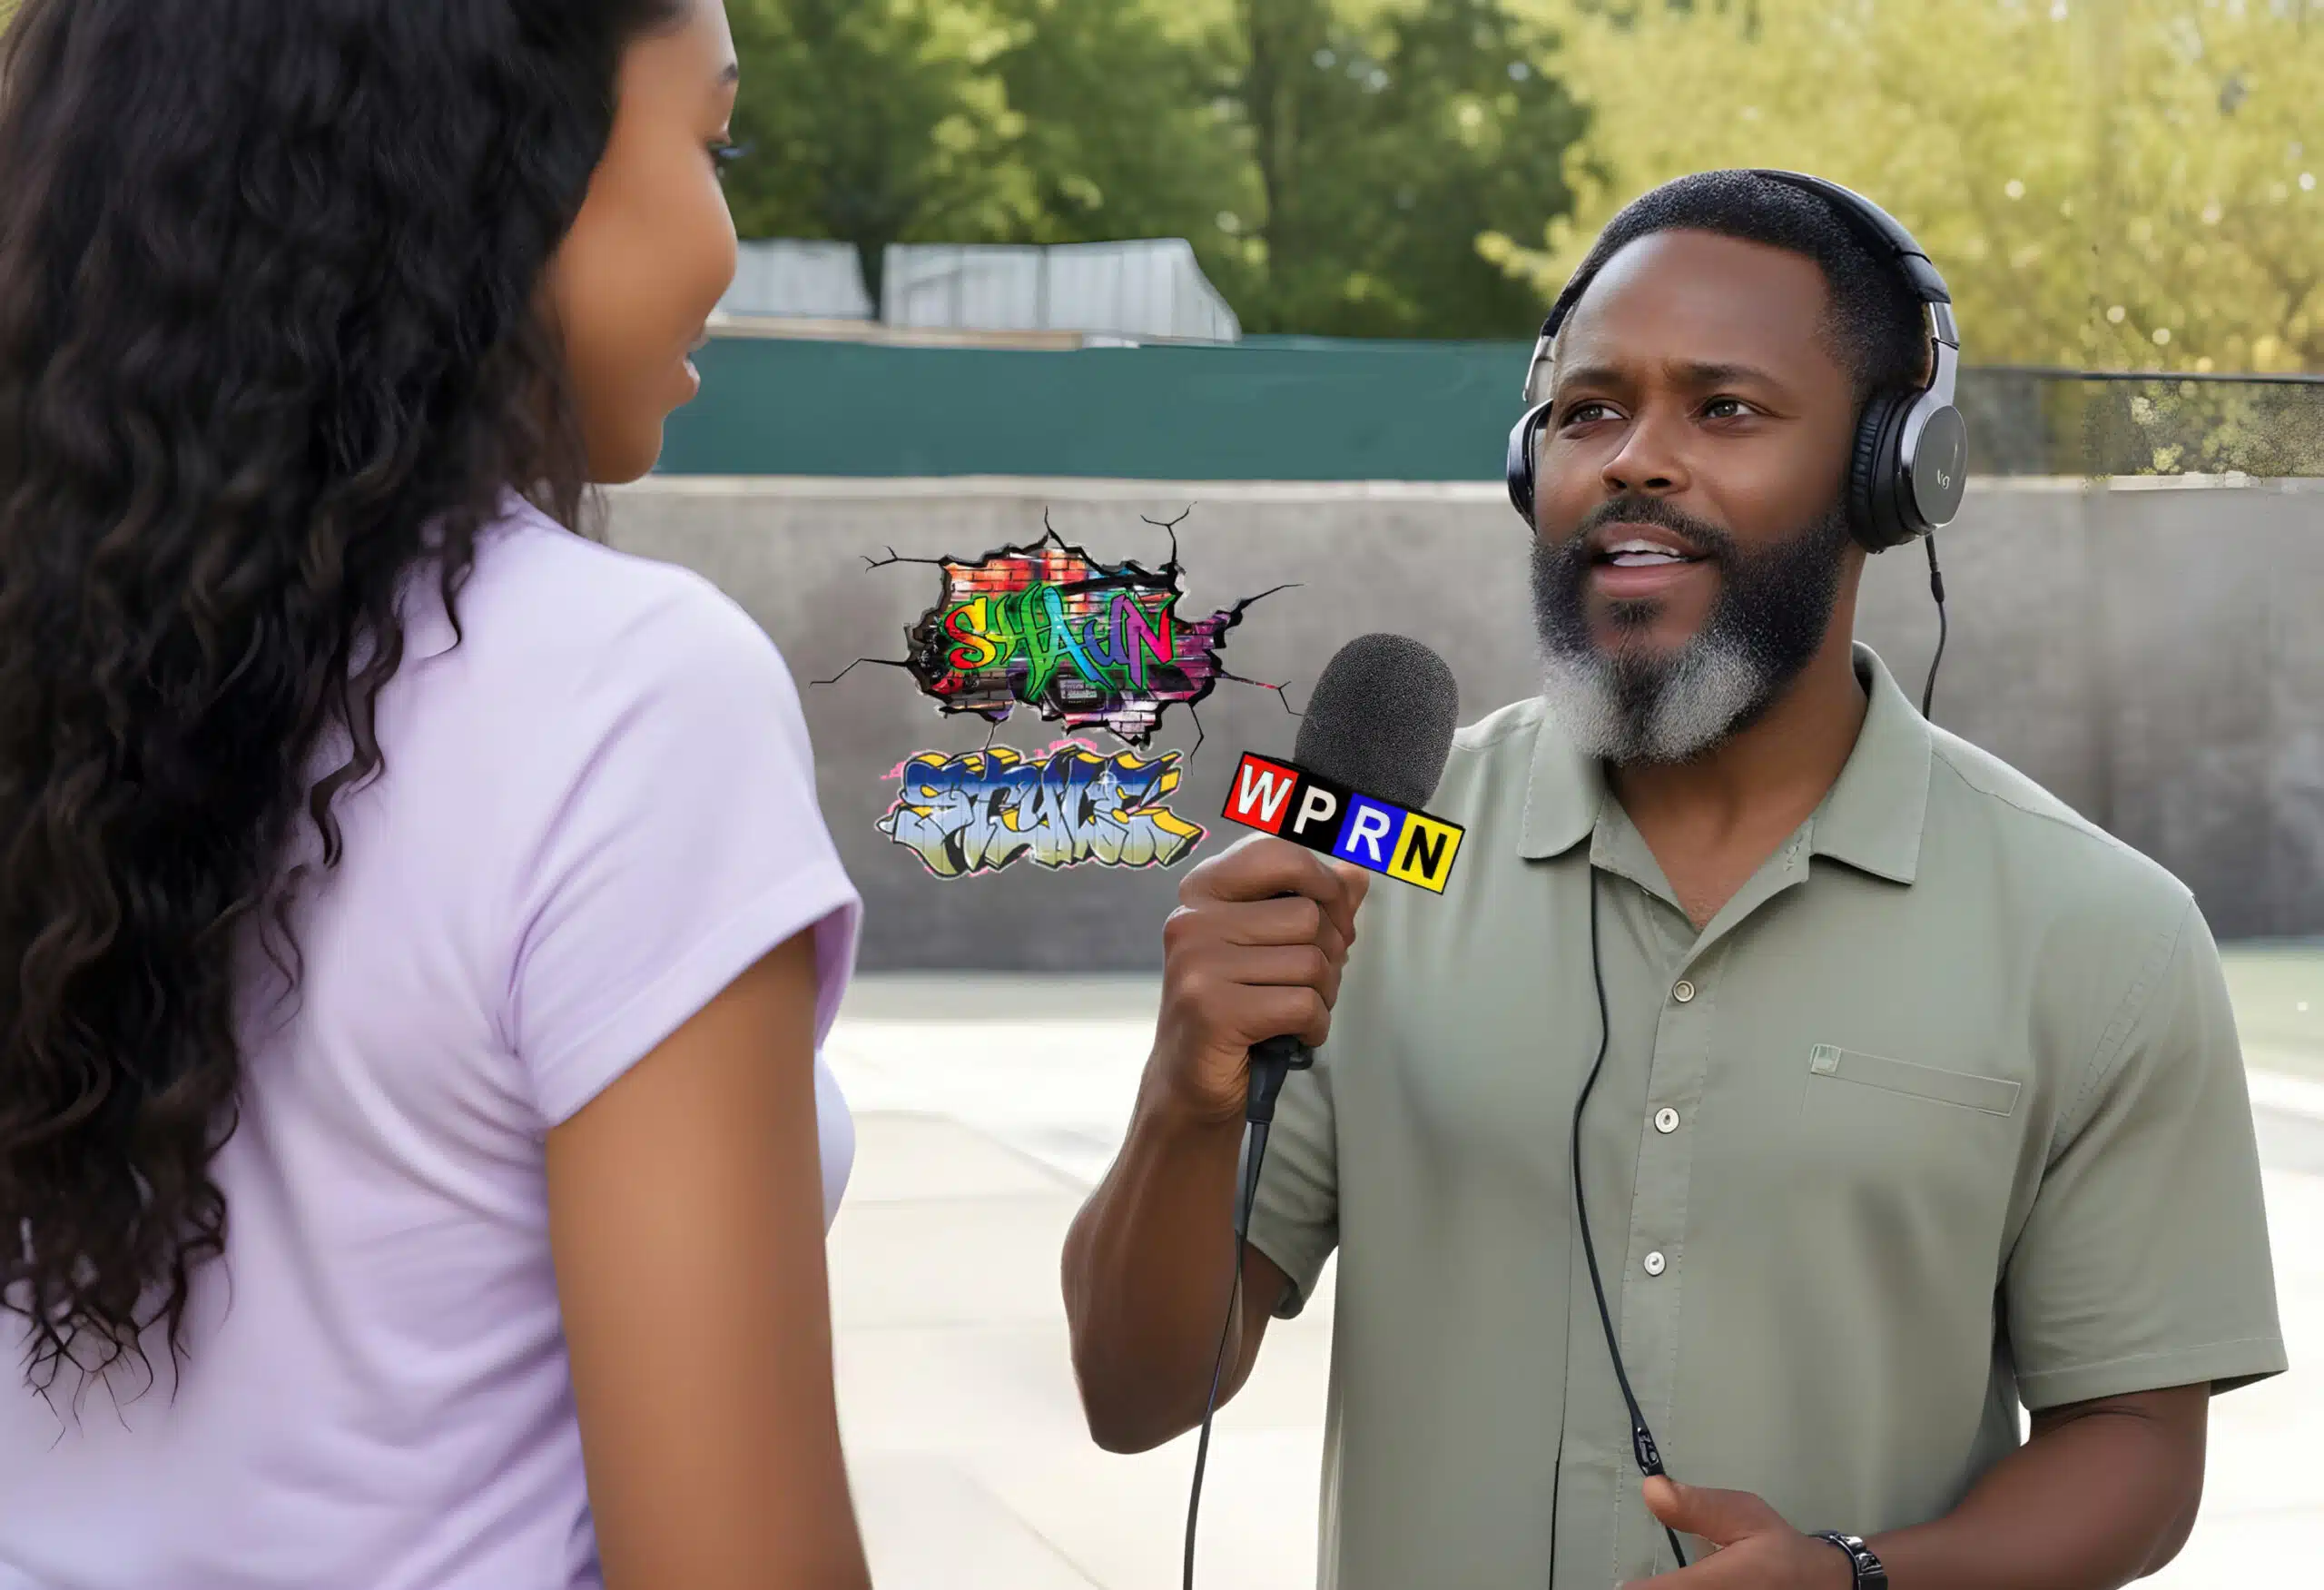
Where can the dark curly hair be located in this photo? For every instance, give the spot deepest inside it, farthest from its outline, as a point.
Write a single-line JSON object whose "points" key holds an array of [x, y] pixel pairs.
{"points": [[272, 345]]}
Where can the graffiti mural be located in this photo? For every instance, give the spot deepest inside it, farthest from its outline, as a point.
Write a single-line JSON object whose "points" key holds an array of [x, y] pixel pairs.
{"points": [[982, 811], [1086, 645]]}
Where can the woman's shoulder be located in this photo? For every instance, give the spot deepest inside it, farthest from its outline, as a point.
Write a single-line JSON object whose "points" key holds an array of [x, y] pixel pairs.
{"points": [[549, 588], [546, 612]]}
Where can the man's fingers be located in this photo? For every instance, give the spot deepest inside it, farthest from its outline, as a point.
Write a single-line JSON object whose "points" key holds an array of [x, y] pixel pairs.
{"points": [[1262, 866], [1358, 884], [1289, 966], [1721, 1517], [1293, 920]]}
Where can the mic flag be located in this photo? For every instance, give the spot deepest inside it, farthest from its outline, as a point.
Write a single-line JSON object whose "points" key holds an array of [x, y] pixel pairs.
{"points": [[1328, 817]]}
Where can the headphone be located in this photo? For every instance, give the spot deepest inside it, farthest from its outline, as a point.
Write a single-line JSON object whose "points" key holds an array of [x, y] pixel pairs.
{"points": [[1911, 460]]}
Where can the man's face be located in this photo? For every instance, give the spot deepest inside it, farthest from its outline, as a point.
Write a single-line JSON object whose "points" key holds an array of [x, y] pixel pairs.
{"points": [[1690, 497]]}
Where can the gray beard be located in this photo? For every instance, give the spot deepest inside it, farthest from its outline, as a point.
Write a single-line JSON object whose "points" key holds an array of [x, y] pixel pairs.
{"points": [[1628, 706], [1629, 710]]}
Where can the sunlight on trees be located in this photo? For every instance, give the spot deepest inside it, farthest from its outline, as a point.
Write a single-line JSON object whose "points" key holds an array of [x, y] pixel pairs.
{"points": [[2113, 183]]}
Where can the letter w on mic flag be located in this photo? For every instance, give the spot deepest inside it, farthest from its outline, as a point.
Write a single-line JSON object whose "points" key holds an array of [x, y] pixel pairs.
{"points": [[1310, 810]]}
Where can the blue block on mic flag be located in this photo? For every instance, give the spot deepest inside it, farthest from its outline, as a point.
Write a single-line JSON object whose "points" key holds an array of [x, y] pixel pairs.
{"points": [[1368, 837]]}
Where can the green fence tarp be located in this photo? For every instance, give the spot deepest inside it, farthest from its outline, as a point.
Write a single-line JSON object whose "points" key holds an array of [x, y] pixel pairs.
{"points": [[1264, 410], [1311, 408]]}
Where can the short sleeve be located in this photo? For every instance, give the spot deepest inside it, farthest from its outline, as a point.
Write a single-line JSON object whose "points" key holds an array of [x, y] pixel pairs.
{"points": [[2144, 1263], [1294, 1218], [680, 843]]}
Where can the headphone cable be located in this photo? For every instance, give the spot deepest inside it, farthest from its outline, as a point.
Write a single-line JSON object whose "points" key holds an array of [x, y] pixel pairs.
{"points": [[1642, 1447], [1936, 589]]}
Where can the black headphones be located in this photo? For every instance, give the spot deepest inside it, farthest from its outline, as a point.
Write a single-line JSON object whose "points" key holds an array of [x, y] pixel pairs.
{"points": [[1911, 463]]}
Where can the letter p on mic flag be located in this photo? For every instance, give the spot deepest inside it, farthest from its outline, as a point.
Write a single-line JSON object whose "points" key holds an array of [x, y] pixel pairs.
{"points": [[1309, 810]]}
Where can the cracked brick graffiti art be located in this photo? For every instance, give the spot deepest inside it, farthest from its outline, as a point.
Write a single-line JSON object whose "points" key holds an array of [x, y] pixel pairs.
{"points": [[982, 811], [1085, 644]]}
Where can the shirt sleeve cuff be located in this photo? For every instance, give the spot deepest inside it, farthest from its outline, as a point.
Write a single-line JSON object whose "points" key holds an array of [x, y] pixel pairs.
{"points": [[569, 1081], [2225, 1366], [1298, 1251]]}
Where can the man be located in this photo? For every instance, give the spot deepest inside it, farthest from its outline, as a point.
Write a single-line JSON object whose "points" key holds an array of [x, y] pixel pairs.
{"points": [[1920, 1100]]}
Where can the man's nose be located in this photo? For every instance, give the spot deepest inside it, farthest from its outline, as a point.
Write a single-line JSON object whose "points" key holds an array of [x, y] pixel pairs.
{"points": [[1649, 461]]}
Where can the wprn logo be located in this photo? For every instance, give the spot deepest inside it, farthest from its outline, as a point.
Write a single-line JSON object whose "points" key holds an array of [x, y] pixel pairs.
{"points": [[1276, 797]]}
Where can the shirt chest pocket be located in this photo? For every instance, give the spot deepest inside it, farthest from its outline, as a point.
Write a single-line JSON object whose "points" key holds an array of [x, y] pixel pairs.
{"points": [[1924, 1156], [1829, 1063]]}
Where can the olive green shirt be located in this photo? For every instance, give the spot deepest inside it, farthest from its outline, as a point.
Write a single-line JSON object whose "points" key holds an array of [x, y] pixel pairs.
{"points": [[1944, 1114]]}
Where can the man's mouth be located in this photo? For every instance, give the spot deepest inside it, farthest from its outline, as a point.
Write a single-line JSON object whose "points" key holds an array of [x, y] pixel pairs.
{"points": [[1642, 555], [1626, 548]]}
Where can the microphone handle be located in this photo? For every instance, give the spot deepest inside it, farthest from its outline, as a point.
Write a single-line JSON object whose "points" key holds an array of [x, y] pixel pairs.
{"points": [[1272, 1062]]}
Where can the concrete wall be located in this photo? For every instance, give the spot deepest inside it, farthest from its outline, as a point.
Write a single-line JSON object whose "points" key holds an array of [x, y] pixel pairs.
{"points": [[2151, 652]]}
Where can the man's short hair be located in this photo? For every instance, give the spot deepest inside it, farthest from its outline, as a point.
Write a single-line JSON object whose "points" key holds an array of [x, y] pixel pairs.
{"points": [[1875, 324]]}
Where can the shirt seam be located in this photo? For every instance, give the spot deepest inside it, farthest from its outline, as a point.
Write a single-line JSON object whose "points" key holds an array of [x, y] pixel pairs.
{"points": [[2105, 1055], [2070, 823]]}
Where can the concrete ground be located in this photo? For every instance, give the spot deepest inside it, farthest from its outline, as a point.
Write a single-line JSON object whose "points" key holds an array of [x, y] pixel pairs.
{"points": [[987, 1107]]}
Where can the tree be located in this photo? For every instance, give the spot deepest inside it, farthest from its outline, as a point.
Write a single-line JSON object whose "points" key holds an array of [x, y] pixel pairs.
{"points": [[1386, 139], [2115, 184], [1123, 134], [875, 121]]}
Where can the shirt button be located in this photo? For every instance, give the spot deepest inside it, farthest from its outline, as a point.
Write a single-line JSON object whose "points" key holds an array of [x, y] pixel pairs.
{"points": [[1654, 1264], [1665, 1121], [1683, 992]]}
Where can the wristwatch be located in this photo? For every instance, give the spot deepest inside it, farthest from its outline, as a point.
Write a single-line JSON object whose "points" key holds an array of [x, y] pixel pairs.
{"points": [[1869, 1574]]}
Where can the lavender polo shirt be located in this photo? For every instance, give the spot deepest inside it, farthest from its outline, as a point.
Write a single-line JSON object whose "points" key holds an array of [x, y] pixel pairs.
{"points": [[598, 808]]}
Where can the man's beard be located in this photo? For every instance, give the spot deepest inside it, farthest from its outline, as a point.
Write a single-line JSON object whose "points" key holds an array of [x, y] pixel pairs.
{"points": [[1633, 705]]}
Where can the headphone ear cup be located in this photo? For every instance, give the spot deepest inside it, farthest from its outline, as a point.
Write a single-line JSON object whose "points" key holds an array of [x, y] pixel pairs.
{"points": [[1519, 468], [1873, 513]]}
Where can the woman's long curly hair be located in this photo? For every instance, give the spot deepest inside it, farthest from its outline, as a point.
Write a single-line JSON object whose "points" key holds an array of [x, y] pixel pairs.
{"points": [[272, 344]]}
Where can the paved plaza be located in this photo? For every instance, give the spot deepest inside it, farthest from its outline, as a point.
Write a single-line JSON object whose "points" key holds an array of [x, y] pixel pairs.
{"points": [[987, 1106]]}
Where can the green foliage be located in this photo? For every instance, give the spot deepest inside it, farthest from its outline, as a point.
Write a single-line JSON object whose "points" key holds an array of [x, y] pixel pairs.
{"points": [[874, 121], [2113, 184], [1384, 148], [1333, 162]]}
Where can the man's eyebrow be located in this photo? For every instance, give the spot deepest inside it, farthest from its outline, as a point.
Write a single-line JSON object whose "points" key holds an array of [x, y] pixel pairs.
{"points": [[1590, 375], [1693, 372], [1706, 374]]}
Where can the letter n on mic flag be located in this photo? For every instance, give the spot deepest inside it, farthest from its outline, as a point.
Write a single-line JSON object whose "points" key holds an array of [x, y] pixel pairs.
{"points": [[1277, 798]]}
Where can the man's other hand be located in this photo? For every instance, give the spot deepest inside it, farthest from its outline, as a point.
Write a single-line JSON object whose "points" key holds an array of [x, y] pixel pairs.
{"points": [[1752, 1547]]}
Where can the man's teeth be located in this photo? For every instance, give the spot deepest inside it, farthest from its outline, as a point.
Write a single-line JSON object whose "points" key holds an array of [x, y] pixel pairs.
{"points": [[1640, 555]]}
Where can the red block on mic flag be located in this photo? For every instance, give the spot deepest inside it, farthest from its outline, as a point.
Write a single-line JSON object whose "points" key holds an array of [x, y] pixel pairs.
{"points": [[1261, 796]]}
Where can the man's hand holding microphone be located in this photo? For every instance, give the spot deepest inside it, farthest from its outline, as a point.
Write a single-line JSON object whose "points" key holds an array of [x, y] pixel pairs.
{"points": [[1253, 952]]}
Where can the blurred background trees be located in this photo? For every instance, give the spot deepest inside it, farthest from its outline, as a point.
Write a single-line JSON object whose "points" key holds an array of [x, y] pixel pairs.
{"points": [[1332, 162], [2106, 183]]}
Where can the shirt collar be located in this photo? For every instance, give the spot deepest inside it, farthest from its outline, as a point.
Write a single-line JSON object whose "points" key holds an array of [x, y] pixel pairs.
{"points": [[1872, 819]]}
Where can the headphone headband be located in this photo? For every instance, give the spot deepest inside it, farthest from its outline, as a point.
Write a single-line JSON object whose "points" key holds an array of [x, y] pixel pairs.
{"points": [[1873, 225]]}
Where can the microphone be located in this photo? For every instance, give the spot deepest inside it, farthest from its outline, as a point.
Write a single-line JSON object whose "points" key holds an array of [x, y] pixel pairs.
{"points": [[1379, 722]]}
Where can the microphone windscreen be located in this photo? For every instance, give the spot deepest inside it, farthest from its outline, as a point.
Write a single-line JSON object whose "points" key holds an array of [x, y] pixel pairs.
{"points": [[1381, 719]]}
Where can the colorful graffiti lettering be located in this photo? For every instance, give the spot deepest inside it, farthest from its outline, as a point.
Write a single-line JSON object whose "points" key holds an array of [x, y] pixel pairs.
{"points": [[982, 811], [1088, 645]]}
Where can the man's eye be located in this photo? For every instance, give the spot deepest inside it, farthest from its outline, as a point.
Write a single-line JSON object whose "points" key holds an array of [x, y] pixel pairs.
{"points": [[1726, 409], [1584, 413], [727, 153]]}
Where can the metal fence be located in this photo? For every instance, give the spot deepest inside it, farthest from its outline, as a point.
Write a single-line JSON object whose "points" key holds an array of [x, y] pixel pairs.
{"points": [[2107, 423]]}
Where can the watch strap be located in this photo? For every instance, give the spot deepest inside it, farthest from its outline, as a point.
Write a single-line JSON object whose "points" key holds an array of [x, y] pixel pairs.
{"points": [[1869, 1573]]}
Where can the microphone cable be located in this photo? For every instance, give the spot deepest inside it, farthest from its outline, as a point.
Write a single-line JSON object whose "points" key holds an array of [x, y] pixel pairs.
{"points": [[1270, 1062], [1642, 1447], [1266, 1083]]}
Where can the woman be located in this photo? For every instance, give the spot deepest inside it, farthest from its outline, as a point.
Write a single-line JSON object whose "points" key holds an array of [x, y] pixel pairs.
{"points": [[419, 919]]}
